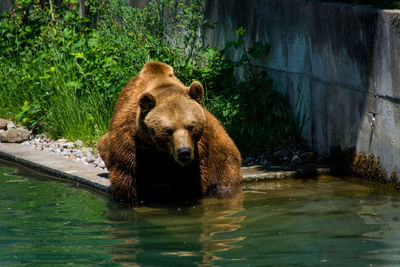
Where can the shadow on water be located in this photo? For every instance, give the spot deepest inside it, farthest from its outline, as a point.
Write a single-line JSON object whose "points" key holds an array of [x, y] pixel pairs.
{"points": [[294, 221], [188, 234]]}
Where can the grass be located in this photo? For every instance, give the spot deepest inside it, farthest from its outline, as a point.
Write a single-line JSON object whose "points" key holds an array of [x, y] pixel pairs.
{"points": [[63, 77], [49, 98]]}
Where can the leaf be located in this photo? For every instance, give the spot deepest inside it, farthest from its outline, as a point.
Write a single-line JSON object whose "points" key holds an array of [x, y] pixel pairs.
{"points": [[78, 54], [240, 31], [45, 77], [259, 50], [238, 43]]}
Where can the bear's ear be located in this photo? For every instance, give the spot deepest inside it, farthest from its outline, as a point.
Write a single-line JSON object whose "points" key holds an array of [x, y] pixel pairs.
{"points": [[196, 92], [146, 102]]}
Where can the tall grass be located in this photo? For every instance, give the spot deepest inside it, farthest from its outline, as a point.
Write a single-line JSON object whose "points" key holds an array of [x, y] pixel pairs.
{"points": [[63, 77], [48, 93]]}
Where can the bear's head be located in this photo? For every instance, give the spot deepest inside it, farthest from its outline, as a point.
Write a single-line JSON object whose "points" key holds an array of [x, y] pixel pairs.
{"points": [[171, 118]]}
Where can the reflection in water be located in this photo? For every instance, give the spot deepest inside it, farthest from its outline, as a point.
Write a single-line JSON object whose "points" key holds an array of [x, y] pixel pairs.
{"points": [[220, 216], [189, 234]]}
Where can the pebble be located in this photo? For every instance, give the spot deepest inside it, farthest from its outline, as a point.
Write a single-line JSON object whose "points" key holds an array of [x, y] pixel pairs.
{"points": [[297, 160], [10, 125], [26, 143], [63, 148], [78, 143], [3, 124], [78, 153], [248, 159], [294, 153], [89, 158], [102, 164], [68, 145]]}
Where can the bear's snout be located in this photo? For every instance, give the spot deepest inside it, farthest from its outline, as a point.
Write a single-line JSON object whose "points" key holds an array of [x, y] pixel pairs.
{"points": [[184, 155]]}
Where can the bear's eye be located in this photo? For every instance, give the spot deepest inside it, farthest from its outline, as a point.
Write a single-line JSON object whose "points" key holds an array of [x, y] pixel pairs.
{"points": [[169, 132], [190, 128]]}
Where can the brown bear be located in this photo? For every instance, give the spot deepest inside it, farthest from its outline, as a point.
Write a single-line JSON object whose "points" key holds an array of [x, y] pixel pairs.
{"points": [[162, 142]]}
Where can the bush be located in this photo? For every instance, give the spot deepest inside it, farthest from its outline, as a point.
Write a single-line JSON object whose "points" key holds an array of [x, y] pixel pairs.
{"points": [[63, 75], [256, 116]]}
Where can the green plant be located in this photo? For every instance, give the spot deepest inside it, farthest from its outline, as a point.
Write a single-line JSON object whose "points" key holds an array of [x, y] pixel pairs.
{"points": [[256, 116], [62, 74]]}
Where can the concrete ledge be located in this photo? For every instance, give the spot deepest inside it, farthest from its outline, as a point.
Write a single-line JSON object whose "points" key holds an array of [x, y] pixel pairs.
{"points": [[97, 178], [56, 166], [259, 173]]}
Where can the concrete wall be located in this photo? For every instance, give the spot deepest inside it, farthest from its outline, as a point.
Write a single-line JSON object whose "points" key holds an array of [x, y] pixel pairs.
{"points": [[341, 60], [5, 5], [344, 60]]}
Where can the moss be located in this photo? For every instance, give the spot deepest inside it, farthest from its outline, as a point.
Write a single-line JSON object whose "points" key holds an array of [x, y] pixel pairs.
{"points": [[364, 166], [367, 167]]}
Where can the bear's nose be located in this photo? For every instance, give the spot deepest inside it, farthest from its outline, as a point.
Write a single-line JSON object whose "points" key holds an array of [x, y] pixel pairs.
{"points": [[184, 154]]}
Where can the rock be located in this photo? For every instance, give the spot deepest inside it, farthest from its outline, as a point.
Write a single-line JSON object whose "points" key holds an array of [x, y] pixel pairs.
{"points": [[89, 157], [69, 145], [41, 136], [102, 164], [61, 140], [57, 151], [3, 124], [248, 159], [78, 143], [16, 135], [10, 125], [26, 143], [85, 150], [78, 153], [297, 160], [307, 156], [281, 155]]}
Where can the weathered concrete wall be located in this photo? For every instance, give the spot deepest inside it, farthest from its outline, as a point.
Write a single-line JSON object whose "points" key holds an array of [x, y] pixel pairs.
{"points": [[343, 59], [5, 5]]}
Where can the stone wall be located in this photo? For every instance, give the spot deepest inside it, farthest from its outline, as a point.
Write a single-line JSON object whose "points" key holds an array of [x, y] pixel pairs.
{"points": [[343, 60]]}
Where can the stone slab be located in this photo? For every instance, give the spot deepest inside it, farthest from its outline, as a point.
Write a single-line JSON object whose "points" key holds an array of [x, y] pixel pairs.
{"points": [[56, 166], [97, 178]]}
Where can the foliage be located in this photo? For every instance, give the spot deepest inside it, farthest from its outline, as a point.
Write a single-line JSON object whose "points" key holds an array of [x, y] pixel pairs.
{"points": [[63, 75], [256, 116]]}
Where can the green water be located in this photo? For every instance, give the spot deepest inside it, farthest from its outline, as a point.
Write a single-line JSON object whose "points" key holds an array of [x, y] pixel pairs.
{"points": [[327, 221]]}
